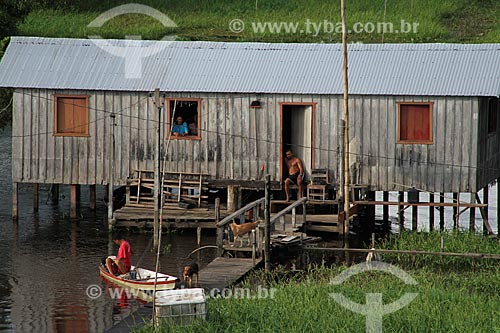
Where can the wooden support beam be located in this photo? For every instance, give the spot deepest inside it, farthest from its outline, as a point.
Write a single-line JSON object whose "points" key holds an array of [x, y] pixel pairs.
{"points": [[498, 209], [472, 212], [15, 210], [35, 197], [54, 193], [73, 199], [431, 212], [401, 213], [486, 215], [455, 211], [441, 211], [486, 224], [232, 198], [92, 204], [422, 204], [385, 208], [414, 213]]}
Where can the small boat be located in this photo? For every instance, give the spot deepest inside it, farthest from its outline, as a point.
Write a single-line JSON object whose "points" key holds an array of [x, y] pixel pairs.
{"points": [[144, 279]]}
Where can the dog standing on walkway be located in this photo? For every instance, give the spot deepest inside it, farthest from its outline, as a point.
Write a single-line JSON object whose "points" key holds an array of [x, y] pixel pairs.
{"points": [[242, 229], [188, 272]]}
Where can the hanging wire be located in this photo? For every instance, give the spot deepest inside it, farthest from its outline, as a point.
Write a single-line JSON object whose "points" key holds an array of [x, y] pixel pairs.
{"points": [[278, 143]]}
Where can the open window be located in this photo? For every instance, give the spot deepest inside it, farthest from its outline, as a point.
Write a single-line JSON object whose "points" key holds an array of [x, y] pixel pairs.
{"points": [[71, 115], [183, 118], [492, 115], [414, 123]]}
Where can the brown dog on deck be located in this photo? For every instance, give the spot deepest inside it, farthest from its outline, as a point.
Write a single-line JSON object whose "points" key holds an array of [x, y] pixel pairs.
{"points": [[188, 272], [242, 229]]}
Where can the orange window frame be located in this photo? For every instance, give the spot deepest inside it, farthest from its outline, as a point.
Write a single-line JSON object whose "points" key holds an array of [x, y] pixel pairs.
{"points": [[169, 120], [430, 139], [83, 119]]}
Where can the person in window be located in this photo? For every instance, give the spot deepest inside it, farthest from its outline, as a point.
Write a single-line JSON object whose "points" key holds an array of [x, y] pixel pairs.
{"points": [[193, 128], [180, 127]]}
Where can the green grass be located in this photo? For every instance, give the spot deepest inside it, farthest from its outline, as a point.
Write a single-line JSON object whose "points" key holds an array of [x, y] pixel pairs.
{"points": [[461, 296], [438, 21]]}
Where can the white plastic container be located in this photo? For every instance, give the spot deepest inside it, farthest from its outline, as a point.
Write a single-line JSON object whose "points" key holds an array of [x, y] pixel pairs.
{"points": [[180, 306]]}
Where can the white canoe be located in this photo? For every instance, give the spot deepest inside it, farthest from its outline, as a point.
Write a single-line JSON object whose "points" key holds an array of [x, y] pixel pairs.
{"points": [[145, 279]]}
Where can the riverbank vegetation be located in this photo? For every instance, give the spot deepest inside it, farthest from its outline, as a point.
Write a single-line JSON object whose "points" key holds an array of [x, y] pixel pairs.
{"points": [[437, 21], [454, 294]]}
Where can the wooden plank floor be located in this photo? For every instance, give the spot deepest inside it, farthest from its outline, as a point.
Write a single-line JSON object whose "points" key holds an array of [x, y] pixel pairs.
{"points": [[131, 213], [222, 272]]}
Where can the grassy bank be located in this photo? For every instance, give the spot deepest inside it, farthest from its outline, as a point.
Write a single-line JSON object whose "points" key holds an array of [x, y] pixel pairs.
{"points": [[454, 295], [438, 21]]}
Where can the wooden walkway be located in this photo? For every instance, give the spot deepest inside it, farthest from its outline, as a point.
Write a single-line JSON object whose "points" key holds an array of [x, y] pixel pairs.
{"points": [[223, 272]]}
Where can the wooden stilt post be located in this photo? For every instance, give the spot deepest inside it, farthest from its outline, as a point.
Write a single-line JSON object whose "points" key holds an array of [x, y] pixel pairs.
{"points": [[15, 201], [431, 212], [414, 211], [472, 211], [232, 198], [198, 236], [455, 211], [401, 213], [498, 209], [441, 212], [385, 208], [35, 197], [92, 197], [485, 201], [220, 230], [267, 217], [54, 194], [73, 199]]}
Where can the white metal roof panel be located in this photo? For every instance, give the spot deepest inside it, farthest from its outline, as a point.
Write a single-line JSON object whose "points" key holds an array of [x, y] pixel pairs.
{"points": [[374, 69]]}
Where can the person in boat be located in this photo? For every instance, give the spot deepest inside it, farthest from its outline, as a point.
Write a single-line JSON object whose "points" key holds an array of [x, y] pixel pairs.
{"points": [[122, 263]]}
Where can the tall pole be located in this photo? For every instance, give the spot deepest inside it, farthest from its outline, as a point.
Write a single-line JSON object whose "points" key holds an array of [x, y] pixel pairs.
{"points": [[346, 128], [267, 217], [157, 173], [111, 169]]}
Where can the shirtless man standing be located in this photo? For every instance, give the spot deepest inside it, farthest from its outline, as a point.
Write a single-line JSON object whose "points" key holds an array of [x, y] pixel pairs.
{"points": [[295, 172]]}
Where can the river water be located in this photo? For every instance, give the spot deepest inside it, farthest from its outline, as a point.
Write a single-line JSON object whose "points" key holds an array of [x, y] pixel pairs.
{"points": [[49, 261]]}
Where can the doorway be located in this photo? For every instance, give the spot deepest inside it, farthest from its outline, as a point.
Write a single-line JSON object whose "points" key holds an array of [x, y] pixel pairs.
{"points": [[297, 134]]}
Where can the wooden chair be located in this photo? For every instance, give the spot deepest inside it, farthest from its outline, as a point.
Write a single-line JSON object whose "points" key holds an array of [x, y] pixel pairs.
{"points": [[317, 188]]}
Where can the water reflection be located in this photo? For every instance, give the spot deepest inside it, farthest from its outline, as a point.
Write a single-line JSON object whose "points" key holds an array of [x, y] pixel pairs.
{"points": [[49, 260]]}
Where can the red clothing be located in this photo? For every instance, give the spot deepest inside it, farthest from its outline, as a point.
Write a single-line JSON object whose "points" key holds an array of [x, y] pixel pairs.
{"points": [[125, 253]]}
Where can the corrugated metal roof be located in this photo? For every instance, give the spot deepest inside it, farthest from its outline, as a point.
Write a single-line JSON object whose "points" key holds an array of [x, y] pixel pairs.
{"points": [[379, 69]]}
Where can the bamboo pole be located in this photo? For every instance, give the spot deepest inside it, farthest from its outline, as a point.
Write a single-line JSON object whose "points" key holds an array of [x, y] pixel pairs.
{"points": [[346, 126], [111, 169], [157, 173]]}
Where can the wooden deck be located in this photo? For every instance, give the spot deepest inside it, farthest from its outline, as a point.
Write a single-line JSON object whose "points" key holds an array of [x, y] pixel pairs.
{"points": [[129, 216], [223, 272]]}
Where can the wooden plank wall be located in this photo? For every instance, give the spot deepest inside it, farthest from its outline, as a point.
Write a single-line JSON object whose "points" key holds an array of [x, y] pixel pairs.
{"points": [[228, 148], [488, 148]]}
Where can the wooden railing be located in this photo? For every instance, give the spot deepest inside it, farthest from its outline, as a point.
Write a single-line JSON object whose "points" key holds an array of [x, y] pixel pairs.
{"points": [[281, 215], [256, 206], [258, 236], [185, 187]]}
